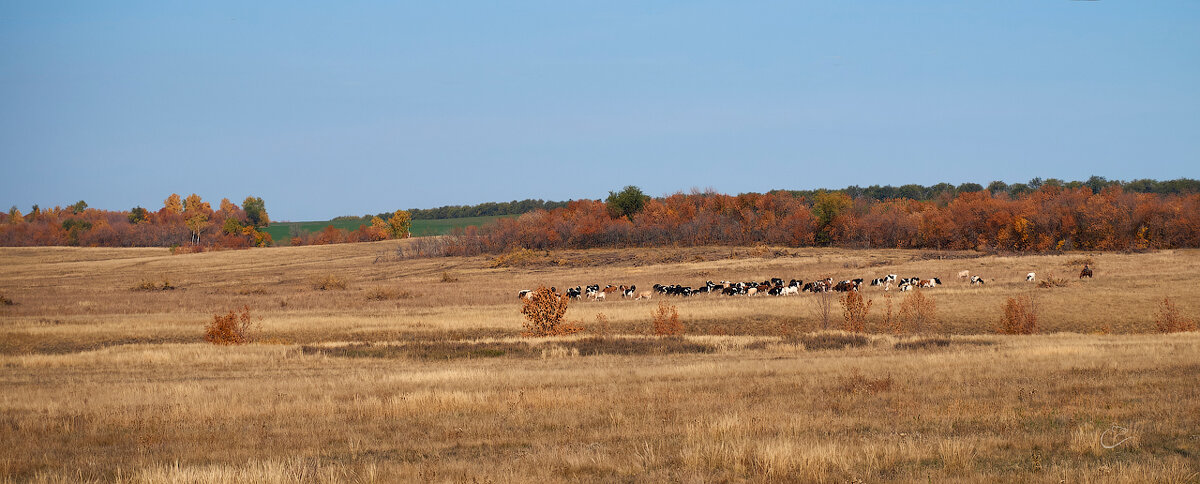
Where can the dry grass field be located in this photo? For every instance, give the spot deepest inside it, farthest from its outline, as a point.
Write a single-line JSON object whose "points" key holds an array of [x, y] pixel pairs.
{"points": [[373, 368]]}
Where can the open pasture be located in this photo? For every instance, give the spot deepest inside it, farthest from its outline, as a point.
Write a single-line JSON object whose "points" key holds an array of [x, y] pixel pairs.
{"points": [[370, 367]]}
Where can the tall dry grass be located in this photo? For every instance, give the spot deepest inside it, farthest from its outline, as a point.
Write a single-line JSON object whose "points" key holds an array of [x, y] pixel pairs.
{"points": [[107, 384]]}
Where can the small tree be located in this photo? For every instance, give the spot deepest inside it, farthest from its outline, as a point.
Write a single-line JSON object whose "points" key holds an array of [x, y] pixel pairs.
{"points": [[854, 311], [399, 224], [544, 312], [1020, 316], [666, 320], [79, 207], [823, 302], [626, 203], [232, 328], [1168, 319]]}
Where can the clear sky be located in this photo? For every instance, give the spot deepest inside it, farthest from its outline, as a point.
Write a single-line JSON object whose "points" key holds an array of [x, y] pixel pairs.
{"points": [[334, 108]]}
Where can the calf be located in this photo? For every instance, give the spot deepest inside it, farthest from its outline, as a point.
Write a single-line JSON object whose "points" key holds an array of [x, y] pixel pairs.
{"points": [[629, 292], [525, 294], [963, 274], [644, 295], [931, 282], [976, 280], [1086, 272], [1029, 277]]}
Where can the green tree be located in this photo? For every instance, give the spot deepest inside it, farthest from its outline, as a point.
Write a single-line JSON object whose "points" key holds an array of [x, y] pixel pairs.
{"points": [[79, 207], [997, 187], [138, 214], [970, 187], [627, 202], [256, 211]]}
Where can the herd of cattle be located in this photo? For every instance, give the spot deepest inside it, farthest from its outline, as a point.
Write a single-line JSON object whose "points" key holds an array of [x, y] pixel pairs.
{"points": [[772, 287]]}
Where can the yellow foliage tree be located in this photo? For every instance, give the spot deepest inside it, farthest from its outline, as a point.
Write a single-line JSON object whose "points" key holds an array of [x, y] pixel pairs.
{"points": [[399, 224], [173, 204]]}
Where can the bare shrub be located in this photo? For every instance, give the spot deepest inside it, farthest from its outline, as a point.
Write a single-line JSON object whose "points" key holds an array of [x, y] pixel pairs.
{"points": [[1020, 316], [328, 282], [823, 302], [1051, 281], [151, 285], [918, 313], [890, 321], [387, 294], [448, 277], [1168, 319], [666, 320], [6, 301], [854, 311], [232, 328], [544, 313], [602, 325]]}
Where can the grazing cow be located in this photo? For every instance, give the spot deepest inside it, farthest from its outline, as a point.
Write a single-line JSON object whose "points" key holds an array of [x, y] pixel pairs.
{"points": [[976, 280], [601, 296], [611, 288], [574, 292], [775, 291], [1086, 272], [775, 281], [752, 291], [931, 282], [644, 295], [1029, 277], [905, 287], [963, 274], [790, 291], [629, 292], [877, 282], [525, 294]]}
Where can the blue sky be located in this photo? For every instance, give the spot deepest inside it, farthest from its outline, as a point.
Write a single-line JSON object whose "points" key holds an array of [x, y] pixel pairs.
{"points": [[362, 107]]}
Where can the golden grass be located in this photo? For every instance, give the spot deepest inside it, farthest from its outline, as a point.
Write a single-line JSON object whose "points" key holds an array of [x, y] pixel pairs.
{"points": [[102, 383]]}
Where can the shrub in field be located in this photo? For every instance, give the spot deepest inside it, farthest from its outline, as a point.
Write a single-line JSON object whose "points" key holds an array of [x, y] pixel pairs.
{"points": [[1051, 281], [232, 328], [328, 282], [149, 285], [1020, 316], [823, 303], [854, 311], [6, 301], [859, 383], [448, 277], [832, 340], [666, 320], [602, 324], [386, 293], [1168, 319], [918, 313], [544, 313]]}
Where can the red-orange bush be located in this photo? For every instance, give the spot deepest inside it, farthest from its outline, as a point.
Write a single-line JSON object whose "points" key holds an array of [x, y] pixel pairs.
{"points": [[544, 312], [666, 320], [854, 311], [1020, 316], [1168, 319], [232, 328]]}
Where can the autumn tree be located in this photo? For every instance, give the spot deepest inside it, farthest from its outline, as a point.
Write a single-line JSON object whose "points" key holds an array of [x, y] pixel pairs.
{"points": [[256, 212], [399, 224], [627, 202], [138, 215], [173, 204]]}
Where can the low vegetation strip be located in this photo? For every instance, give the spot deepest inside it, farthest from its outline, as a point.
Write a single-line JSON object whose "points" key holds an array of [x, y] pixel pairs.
{"points": [[447, 350]]}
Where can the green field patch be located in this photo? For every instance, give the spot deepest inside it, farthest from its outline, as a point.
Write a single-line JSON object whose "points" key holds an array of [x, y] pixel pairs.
{"points": [[282, 232]]}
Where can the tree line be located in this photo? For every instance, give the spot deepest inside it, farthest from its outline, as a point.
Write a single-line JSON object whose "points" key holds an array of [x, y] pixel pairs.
{"points": [[189, 223], [488, 209], [1052, 217]]}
